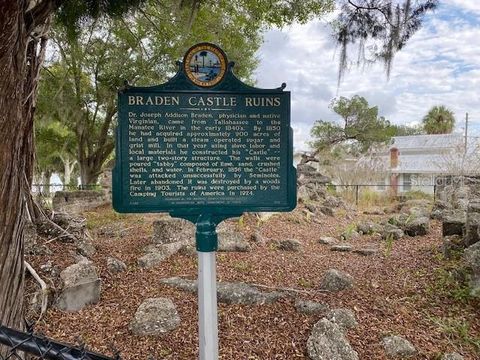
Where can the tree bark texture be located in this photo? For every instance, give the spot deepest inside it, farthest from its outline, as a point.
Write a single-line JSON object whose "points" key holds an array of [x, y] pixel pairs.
{"points": [[22, 46], [14, 129], [68, 168]]}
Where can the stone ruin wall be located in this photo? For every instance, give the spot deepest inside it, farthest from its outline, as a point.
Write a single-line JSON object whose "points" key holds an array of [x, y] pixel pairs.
{"points": [[74, 202], [457, 191], [457, 206]]}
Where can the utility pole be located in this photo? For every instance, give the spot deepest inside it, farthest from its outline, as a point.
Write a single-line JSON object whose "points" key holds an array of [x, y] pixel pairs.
{"points": [[466, 132]]}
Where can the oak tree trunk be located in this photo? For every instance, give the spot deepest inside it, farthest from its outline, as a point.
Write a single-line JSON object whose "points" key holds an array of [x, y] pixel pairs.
{"points": [[46, 188], [68, 168], [22, 46], [88, 173], [14, 129]]}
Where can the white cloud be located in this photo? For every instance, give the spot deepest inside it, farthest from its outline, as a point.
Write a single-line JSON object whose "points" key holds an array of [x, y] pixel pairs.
{"points": [[469, 5], [440, 65]]}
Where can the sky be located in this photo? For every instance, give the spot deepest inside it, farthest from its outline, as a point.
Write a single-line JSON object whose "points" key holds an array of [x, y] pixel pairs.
{"points": [[439, 66]]}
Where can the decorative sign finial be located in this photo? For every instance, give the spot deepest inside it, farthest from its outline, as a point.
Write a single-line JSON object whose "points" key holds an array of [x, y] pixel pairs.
{"points": [[205, 64]]}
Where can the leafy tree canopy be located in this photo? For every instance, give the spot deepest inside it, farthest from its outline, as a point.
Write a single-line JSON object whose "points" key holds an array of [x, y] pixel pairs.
{"points": [[439, 120], [56, 141], [360, 128], [91, 58], [405, 130], [72, 13]]}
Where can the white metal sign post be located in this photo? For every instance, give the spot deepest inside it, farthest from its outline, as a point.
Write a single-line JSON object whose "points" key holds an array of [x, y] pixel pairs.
{"points": [[207, 244], [207, 306]]}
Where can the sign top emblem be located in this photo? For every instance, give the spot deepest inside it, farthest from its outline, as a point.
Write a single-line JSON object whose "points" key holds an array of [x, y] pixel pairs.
{"points": [[205, 64]]}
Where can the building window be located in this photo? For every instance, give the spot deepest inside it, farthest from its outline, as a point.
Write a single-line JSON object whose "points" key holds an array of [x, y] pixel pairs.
{"points": [[381, 185], [407, 182]]}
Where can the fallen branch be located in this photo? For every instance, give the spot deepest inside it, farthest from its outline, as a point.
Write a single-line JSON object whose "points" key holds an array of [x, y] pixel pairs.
{"points": [[64, 232], [59, 236], [44, 289]]}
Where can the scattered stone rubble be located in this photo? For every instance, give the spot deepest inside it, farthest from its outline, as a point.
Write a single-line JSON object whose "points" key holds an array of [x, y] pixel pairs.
{"points": [[310, 307], [335, 280], [344, 247], [167, 230], [154, 317], [229, 293], [368, 228], [413, 220], [289, 245], [392, 232], [397, 347], [327, 341], [344, 318], [231, 240], [115, 265], [312, 189], [365, 250], [170, 236], [156, 254], [327, 240], [459, 213], [81, 287]]}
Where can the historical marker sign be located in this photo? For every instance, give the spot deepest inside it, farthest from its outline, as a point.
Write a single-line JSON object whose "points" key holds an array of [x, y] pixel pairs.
{"points": [[204, 142], [204, 146]]}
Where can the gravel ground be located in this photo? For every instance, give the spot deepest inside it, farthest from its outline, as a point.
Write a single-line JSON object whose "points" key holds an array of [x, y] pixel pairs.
{"points": [[403, 290]]}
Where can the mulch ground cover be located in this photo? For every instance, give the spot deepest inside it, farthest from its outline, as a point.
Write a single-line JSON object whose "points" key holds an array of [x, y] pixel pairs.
{"points": [[405, 289]]}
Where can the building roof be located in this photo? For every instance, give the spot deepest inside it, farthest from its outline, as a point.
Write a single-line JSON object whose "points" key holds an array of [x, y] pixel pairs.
{"points": [[433, 154], [442, 141]]}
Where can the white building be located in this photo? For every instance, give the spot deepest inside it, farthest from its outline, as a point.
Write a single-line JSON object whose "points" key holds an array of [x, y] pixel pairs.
{"points": [[415, 161]]}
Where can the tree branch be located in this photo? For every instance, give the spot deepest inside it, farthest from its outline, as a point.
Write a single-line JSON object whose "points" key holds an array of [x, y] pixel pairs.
{"points": [[43, 287], [370, 8]]}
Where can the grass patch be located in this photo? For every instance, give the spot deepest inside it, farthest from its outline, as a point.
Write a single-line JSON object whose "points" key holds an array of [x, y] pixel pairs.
{"points": [[241, 222], [242, 266], [304, 283], [349, 231], [450, 282], [308, 217], [416, 195], [389, 245], [457, 330], [332, 190], [100, 218], [367, 197]]}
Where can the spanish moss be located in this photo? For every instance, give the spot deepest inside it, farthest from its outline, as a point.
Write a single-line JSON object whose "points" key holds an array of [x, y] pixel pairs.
{"points": [[380, 28]]}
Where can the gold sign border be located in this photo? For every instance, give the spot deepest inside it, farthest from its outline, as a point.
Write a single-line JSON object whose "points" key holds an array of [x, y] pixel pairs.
{"points": [[214, 49]]}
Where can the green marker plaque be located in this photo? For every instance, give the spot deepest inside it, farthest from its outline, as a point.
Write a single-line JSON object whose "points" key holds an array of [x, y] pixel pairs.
{"points": [[204, 147], [204, 143]]}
